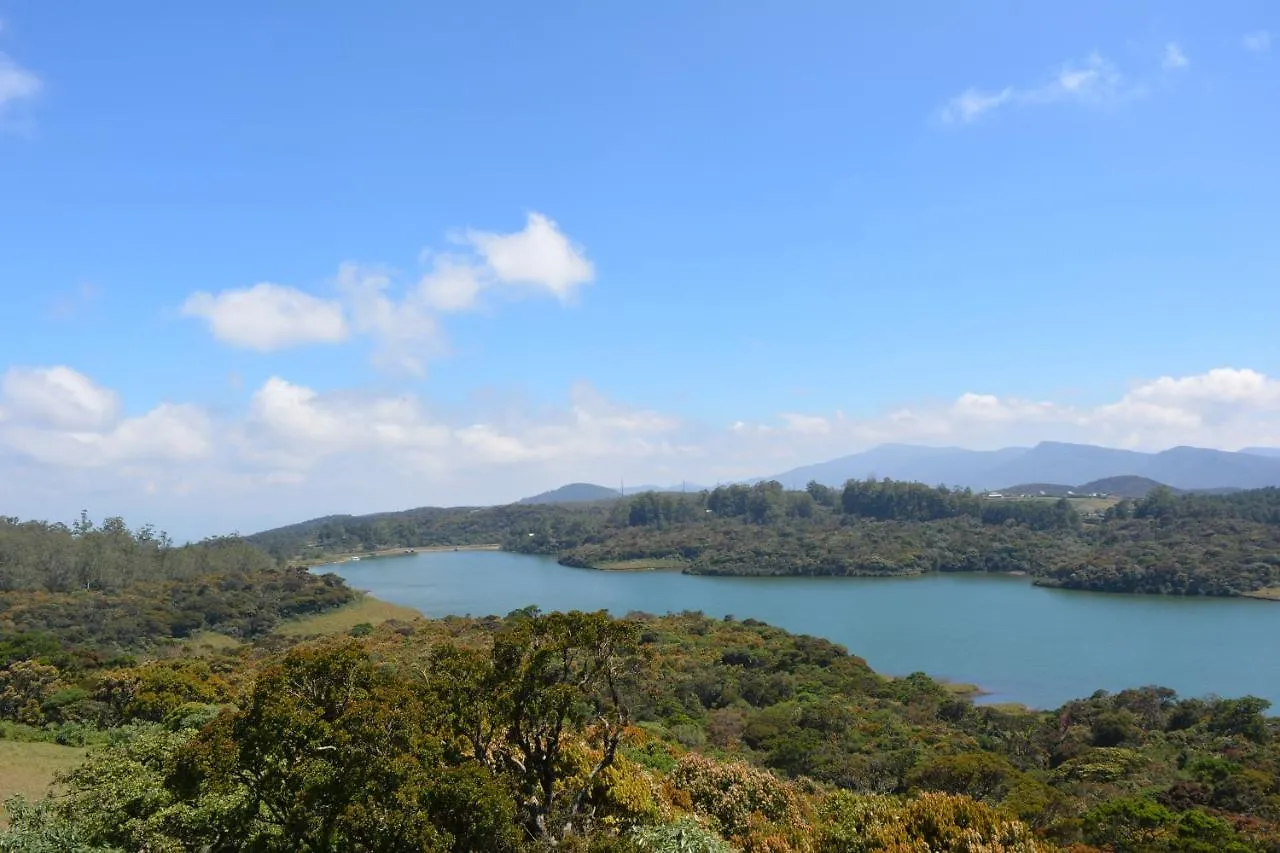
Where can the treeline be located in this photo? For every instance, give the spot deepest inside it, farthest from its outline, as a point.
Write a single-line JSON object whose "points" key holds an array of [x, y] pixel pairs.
{"points": [[419, 528], [1164, 543], [95, 591], [577, 732]]}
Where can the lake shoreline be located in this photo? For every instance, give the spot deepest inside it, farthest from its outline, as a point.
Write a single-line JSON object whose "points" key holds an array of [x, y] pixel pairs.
{"points": [[959, 689], [1035, 645], [386, 553]]}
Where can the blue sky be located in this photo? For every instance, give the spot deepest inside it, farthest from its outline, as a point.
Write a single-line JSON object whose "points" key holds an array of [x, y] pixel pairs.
{"points": [[591, 241]]}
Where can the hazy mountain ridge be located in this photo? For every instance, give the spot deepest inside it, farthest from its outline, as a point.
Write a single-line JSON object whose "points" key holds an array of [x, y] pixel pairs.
{"points": [[1050, 462], [1047, 466]]}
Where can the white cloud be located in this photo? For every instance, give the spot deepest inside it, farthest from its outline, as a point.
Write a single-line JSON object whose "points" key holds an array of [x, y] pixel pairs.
{"points": [[55, 397], [298, 452], [1226, 408], [268, 317], [402, 321], [453, 284], [295, 427], [539, 256], [404, 330], [1246, 388], [1094, 80], [1258, 41], [1174, 58], [806, 424], [58, 416], [972, 103], [16, 83]]}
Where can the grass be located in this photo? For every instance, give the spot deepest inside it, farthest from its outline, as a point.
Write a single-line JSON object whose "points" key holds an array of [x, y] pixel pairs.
{"points": [[29, 768], [1269, 593], [211, 643], [642, 565], [1082, 505], [364, 610], [962, 690]]}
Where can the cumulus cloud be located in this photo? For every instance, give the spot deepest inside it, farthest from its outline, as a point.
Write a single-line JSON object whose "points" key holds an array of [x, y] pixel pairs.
{"points": [[402, 321], [297, 451], [539, 256], [453, 284], [1258, 41], [57, 398], [60, 417], [268, 317], [1225, 407], [1174, 58], [1094, 80]]}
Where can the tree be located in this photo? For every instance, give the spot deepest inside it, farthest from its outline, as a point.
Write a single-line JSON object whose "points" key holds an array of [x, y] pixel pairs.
{"points": [[547, 680], [335, 752], [1129, 824]]}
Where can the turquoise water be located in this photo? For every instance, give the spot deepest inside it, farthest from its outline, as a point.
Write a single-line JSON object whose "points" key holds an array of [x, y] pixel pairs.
{"points": [[1019, 642]]}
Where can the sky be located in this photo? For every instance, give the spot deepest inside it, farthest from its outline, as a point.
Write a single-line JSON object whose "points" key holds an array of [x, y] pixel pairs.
{"points": [[267, 261]]}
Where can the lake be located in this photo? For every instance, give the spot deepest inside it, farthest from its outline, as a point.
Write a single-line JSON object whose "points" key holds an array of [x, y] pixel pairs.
{"points": [[1019, 642]]}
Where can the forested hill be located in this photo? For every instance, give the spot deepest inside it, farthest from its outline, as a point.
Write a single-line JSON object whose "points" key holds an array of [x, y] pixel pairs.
{"points": [[574, 493], [1115, 487], [1189, 544], [98, 590]]}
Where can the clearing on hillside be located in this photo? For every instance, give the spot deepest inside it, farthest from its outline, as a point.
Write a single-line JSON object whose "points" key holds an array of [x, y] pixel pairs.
{"points": [[29, 768]]}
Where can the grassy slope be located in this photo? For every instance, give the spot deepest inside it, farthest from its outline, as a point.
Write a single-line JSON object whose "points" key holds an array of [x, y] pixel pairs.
{"points": [[29, 768], [365, 609]]}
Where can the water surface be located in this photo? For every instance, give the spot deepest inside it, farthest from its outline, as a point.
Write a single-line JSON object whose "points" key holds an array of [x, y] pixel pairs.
{"points": [[1020, 642]]}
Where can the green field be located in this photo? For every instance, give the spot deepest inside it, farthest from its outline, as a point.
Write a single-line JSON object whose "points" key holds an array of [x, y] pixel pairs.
{"points": [[211, 643], [29, 768], [364, 610]]}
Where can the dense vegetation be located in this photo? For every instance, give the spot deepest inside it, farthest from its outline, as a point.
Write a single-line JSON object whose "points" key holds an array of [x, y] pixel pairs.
{"points": [[1183, 544], [76, 599], [579, 732]]}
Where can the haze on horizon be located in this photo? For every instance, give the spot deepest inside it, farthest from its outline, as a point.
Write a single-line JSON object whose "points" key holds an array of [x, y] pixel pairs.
{"points": [[258, 269]]}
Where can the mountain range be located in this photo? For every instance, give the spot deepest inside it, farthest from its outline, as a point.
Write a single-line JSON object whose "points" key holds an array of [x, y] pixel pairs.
{"points": [[1189, 468], [1015, 469]]}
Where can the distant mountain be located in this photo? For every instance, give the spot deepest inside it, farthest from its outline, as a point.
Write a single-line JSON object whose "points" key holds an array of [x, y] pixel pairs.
{"points": [[1050, 462], [1262, 451], [1197, 468], [950, 466], [1057, 462], [574, 493]]}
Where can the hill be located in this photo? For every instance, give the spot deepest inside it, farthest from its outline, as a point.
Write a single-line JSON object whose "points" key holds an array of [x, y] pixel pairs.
{"points": [[574, 493], [1121, 487], [1050, 462], [1116, 487], [1048, 490], [590, 492]]}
